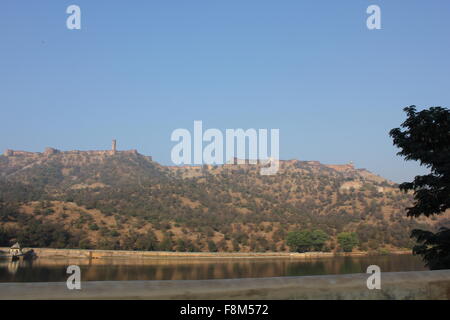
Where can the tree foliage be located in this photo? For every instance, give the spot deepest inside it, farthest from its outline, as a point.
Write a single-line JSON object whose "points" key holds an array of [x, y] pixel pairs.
{"points": [[347, 241], [434, 247], [306, 240], [426, 138]]}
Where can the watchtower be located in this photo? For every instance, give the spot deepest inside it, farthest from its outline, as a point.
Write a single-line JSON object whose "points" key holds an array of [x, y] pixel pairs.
{"points": [[114, 145]]}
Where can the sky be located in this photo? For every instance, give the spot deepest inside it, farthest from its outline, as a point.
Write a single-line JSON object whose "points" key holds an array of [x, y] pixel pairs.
{"points": [[136, 71]]}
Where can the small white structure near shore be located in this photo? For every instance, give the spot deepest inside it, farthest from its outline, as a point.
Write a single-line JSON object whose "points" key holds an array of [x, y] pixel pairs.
{"points": [[15, 250]]}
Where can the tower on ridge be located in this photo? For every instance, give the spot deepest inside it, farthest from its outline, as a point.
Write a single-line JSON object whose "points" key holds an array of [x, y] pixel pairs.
{"points": [[113, 147]]}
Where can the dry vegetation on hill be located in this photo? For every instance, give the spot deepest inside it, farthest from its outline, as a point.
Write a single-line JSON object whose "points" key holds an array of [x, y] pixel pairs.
{"points": [[127, 201]]}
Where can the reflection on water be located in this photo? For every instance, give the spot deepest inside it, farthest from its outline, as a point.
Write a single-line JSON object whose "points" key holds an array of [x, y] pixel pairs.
{"points": [[44, 269]]}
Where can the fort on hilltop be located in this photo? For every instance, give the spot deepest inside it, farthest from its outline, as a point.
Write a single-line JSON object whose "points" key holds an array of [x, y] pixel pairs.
{"points": [[52, 151], [349, 167]]}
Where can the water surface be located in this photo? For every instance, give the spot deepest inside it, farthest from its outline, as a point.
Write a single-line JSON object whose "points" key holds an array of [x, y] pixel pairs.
{"points": [[45, 269]]}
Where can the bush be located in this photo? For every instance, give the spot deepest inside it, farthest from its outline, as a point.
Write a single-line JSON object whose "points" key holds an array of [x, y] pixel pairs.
{"points": [[347, 241], [93, 227], [212, 246]]}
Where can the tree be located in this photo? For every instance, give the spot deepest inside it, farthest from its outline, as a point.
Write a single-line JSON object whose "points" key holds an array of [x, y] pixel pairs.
{"points": [[305, 240], [433, 247], [166, 243], [347, 241], [4, 241], [185, 245], [426, 138], [212, 246], [181, 245], [318, 239], [236, 246], [147, 242]]}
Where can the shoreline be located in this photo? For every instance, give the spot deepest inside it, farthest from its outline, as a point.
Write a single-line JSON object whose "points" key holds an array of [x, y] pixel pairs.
{"points": [[124, 254]]}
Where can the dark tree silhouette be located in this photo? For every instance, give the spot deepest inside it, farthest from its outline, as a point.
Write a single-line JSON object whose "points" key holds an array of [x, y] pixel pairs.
{"points": [[426, 138]]}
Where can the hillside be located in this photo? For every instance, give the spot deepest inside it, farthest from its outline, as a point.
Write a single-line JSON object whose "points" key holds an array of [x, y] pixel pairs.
{"points": [[125, 200]]}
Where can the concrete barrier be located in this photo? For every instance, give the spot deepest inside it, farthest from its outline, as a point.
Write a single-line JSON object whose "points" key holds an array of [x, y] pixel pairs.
{"points": [[423, 285]]}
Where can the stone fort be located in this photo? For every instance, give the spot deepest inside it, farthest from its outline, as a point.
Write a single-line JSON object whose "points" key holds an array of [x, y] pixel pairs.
{"points": [[52, 151]]}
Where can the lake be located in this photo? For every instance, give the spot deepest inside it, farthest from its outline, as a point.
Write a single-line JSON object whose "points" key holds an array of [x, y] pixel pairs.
{"points": [[46, 270]]}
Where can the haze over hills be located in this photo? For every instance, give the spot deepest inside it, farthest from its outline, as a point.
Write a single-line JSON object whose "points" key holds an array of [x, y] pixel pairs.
{"points": [[125, 200]]}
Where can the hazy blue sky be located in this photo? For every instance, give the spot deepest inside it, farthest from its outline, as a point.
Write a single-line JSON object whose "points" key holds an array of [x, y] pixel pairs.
{"points": [[137, 70]]}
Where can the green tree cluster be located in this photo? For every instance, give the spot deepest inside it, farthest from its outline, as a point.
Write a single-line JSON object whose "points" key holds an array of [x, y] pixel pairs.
{"points": [[347, 241], [306, 240]]}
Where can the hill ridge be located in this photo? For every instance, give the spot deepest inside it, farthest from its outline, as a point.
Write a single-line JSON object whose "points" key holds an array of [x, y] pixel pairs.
{"points": [[125, 200]]}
